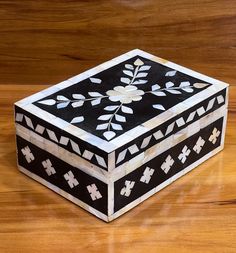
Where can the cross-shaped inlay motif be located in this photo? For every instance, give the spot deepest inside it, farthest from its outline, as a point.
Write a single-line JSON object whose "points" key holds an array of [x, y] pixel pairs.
{"points": [[48, 167], [185, 153], [199, 145], [94, 193], [71, 180], [147, 174], [167, 164], [214, 136], [126, 190], [28, 154]]}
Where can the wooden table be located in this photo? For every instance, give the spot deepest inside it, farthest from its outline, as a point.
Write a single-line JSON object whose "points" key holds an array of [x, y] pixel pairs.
{"points": [[44, 42]]}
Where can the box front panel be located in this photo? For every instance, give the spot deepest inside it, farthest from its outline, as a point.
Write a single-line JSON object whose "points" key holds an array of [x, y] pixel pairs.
{"points": [[130, 188], [76, 183]]}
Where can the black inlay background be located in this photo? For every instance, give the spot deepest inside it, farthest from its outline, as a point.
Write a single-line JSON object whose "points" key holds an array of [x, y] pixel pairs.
{"points": [[143, 109], [80, 191], [59, 132], [163, 127], [159, 175]]}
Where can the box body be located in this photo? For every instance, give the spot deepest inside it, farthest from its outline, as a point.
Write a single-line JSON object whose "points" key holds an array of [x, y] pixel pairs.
{"points": [[112, 136]]}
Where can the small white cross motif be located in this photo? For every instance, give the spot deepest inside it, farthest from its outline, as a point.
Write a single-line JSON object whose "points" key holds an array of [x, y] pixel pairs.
{"points": [[215, 134], [48, 167], [147, 174], [71, 180], [199, 144], [94, 193], [185, 153], [28, 154], [167, 164], [126, 190]]}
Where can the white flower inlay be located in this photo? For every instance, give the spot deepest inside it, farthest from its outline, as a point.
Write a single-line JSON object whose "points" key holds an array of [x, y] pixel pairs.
{"points": [[125, 94]]}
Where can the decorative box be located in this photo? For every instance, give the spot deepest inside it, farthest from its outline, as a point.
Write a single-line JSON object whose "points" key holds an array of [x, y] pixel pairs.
{"points": [[111, 137]]}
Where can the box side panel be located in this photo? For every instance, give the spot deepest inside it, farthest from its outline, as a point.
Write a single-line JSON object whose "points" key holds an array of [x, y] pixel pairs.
{"points": [[83, 189], [170, 127], [167, 167], [57, 135]]}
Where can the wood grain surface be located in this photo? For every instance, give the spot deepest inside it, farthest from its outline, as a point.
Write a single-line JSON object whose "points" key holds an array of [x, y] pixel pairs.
{"points": [[44, 42]]}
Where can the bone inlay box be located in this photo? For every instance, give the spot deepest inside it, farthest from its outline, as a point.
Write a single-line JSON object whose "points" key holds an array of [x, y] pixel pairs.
{"points": [[111, 137]]}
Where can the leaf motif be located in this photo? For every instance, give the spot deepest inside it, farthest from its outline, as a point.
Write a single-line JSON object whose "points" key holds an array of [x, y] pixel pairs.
{"points": [[172, 91], [77, 119], [155, 87], [145, 67], [95, 94], [95, 80], [142, 74], [189, 90], [105, 117], [128, 73], [200, 85], [125, 80], [138, 62], [120, 118], [62, 98], [140, 81], [77, 104], [171, 73], [129, 66], [102, 126], [62, 105], [158, 93], [111, 107], [78, 96], [159, 107], [184, 84], [126, 109], [169, 84], [116, 126], [96, 101], [47, 102], [109, 134]]}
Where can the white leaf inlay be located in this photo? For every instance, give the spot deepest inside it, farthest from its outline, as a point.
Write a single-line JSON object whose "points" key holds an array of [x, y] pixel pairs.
{"points": [[129, 66], [155, 87], [48, 102], [125, 80], [128, 73], [111, 107], [200, 85], [77, 119], [78, 96], [102, 126], [62, 105], [169, 84], [109, 134], [174, 91], [159, 107], [126, 109], [95, 94], [171, 73], [120, 118], [158, 93], [96, 101], [140, 81], [145, 67], [95, 80], [105, 117], [116, 126], [77, 104], [62, 98], [142, 74], [184, 84]]}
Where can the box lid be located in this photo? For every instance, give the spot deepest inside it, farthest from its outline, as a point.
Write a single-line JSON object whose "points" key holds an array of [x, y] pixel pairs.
{"points": [[118, 101]]}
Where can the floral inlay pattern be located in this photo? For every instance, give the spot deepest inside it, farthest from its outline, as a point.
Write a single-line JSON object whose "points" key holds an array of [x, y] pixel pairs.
{"points": [[121, 96]]}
